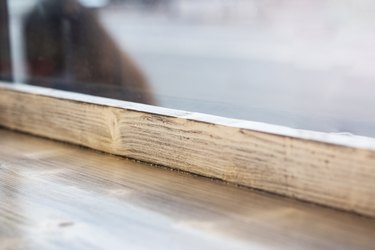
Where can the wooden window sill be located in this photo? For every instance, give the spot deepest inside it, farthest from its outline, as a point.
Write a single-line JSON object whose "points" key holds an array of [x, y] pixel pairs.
{"points": [[58, 196], [328, 169]]}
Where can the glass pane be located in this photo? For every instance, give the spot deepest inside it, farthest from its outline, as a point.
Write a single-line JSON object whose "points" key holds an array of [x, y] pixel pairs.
{"points": [[302, 63]]}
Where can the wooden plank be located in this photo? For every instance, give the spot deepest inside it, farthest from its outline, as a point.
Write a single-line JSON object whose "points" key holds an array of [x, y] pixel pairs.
{"points": [[329, 169], [60, 196]]}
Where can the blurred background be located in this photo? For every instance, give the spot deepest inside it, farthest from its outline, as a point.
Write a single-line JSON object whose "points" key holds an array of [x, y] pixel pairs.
{"points": [[306, 64]]}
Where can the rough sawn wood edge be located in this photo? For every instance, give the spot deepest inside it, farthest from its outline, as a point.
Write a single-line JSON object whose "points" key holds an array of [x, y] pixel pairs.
{"points": [[328, 169]]}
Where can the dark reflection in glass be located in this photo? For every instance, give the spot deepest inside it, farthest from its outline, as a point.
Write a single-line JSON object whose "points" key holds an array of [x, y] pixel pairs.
{"points": [[301, 63], [5, 62], [67, 48]]}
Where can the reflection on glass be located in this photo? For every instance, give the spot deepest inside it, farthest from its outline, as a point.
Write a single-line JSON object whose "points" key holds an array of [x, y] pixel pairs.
{"points": [[67, 48], [301, 63], [5, 62]]}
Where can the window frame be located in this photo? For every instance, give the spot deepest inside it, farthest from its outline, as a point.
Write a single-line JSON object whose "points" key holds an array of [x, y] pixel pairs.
{"points": [[328, 169]]}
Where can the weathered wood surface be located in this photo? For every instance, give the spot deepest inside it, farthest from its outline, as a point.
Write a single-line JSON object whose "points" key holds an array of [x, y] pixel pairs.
{"points": [[60, 196], [333, 170]]}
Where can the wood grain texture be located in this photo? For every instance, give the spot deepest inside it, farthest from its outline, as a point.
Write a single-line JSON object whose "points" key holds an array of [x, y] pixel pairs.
{"points": [[60, 196], [328, 169]]}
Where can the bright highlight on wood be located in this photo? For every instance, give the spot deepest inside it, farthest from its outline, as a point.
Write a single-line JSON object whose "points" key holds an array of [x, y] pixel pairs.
{"points": [[328, 169]]}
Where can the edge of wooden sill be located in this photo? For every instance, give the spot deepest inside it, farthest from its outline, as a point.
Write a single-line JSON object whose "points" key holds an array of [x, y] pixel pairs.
{"points": [[330, 169]]}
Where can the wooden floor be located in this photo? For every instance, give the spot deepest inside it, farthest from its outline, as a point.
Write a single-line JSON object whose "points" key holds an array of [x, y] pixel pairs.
{"points": [[55, 195]]}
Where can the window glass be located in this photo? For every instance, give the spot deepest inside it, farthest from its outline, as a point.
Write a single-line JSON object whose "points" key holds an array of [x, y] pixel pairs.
{"points": [[307, 64]]}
